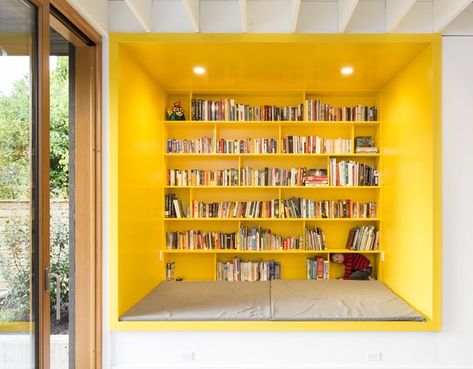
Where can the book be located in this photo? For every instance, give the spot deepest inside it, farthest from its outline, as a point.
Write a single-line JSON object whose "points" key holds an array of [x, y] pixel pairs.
{"points": [[201, 145], [230, 110], [258, 239], [173, 207], [200, 177], [315, 110], [199, 240], [298, 207], [352, 173], [363, 238], [365, 145], [170, 267], [315, 239], [315, 145], [237, 270], [235, 209], [316, 177], [317, 268]]}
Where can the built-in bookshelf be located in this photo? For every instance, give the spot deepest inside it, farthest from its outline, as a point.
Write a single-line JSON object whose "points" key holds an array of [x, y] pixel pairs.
{"points": [[269, 176]]}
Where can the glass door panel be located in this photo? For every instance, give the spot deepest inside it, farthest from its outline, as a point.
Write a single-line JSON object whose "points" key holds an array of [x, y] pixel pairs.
{"points": [[62, 106], [18, 179]]}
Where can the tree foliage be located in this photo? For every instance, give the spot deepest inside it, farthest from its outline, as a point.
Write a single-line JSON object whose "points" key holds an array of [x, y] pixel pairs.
{"points": [[15, 136]]}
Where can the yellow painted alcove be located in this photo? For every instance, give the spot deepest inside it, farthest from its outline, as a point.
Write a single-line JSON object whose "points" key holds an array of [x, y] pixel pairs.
{"points": [[398, 73]]}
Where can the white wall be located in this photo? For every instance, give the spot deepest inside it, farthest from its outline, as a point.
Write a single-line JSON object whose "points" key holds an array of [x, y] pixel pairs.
{"points": [[451, 348], [95, 12]]}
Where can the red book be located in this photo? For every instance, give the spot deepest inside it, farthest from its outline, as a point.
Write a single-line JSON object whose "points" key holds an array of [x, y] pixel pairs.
{"points": [[320, 268]]}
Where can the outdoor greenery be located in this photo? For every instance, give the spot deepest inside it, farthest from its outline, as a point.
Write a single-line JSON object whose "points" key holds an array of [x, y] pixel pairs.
{"points": [[15, 133], [15, 266], [15, 184]]}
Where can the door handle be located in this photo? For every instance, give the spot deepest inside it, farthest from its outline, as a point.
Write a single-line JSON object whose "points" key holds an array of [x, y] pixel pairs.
{"points": [[47, 280], [58, 294]]}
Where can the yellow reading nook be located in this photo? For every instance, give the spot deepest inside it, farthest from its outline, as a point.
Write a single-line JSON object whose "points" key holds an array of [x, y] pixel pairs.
{"points": [[242, 165]]}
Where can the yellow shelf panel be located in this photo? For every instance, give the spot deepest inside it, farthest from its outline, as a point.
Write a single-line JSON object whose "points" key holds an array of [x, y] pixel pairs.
{"points": [[307, 326], [218, 251], [220, 123], [346, 251], [273, 219], [285, 156], [278, 187], [243, 251]]}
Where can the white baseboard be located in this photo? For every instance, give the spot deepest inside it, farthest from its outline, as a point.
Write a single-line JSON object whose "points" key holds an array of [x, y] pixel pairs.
{"points": [[374, 365]]}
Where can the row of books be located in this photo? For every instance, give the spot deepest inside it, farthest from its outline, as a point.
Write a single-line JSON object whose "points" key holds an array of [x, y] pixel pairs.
{"points": [[290, 145], [315, 110], [229, 110], [247, 146], [315, 145], [173, 207], [352, 173], [200, 177], [258, 238], [248, 270], [283, 177], [298, 207], [363, 238], [315, 239], [199, 240], [344, 173], [235, 209], [201, 145], [293, 207], [317, 268]]}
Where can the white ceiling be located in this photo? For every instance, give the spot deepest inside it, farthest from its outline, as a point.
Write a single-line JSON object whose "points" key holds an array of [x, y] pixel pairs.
{"points": [[451, 17]]}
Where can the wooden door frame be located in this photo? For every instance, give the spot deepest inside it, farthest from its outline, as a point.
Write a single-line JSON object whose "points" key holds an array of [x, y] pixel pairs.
{"points": [[91, 354]]}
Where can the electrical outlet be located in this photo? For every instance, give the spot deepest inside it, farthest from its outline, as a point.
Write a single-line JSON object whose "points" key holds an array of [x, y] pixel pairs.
{"points": [[373, 356], [187, 356]]}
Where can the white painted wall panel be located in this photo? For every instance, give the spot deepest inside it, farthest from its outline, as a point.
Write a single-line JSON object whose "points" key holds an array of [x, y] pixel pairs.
{"points": [[95, 12]]}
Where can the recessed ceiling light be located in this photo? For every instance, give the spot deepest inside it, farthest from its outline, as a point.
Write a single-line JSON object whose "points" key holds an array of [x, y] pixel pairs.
{"points": [[199, 70], [346, 71]]}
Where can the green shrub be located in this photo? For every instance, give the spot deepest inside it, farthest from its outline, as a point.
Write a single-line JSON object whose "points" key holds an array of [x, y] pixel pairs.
{"points": [[15, 265]]}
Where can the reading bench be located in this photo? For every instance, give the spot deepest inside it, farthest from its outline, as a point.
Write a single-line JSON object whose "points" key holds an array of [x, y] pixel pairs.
{"points": [[285, 300]]}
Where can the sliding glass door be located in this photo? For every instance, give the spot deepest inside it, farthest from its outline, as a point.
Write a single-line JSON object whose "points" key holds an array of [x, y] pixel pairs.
{"points": [[49, 187], [19, 241]]}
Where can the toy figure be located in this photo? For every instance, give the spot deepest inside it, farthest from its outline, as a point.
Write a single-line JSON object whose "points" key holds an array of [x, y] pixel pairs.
{"points": [[176, 112]]}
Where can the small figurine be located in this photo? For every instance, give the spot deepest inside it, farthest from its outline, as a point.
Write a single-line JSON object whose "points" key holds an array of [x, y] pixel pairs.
{"points": [[176, 112]]}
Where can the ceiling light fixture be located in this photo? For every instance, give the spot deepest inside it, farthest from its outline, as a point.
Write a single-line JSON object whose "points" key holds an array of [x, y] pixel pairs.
{"points": [[199, 70], [346, 71]]}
